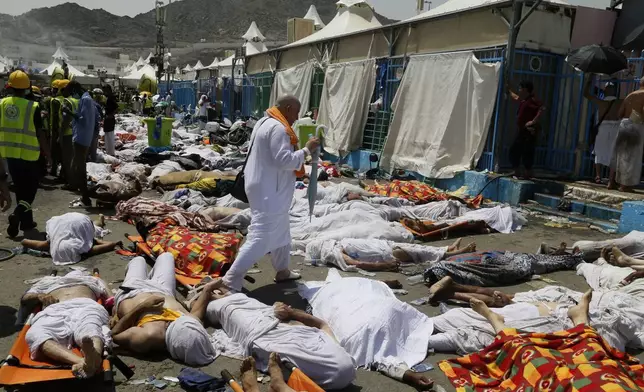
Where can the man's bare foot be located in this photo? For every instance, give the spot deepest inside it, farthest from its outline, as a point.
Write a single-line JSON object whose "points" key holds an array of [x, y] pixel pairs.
{"points": [[579, 313], [544, 249], [418, 381], [438, 288], [455, 246], [618, 258], [92, 360], [497, 321], [626, 189], [605, 254], [561, 250], [249, 375], [611, 185], [471, 247], [501, 299], [277, 378]]}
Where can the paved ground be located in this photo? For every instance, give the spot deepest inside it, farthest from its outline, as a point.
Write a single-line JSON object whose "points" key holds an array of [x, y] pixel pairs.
{"points": [[52, 202]]}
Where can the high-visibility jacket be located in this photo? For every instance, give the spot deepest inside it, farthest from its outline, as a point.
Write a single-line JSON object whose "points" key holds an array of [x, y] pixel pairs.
{"points": [[18, 137], [148, 103], [73, 102]]}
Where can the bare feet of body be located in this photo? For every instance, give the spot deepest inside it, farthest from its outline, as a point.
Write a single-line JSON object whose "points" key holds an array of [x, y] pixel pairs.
{"points": [[438, 288], [277, 377], [497, 321], [618, 258], [579, 313], [91, 362], [455, 246], [418, 381], [249, 375], [605, 254]]}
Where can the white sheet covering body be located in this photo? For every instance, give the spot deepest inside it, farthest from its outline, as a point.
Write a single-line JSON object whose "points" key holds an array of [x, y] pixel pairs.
{"points": [[294, 81], [253, 326], [371, 324], [629, 148], [605, 142], [70, 235], [344, 106], [442, 113]]}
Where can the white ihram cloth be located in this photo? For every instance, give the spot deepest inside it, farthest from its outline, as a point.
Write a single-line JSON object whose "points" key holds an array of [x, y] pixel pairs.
{"points": [[186, 339], [270, 183], [67, 323], [629, 147], [632, 245], [253, 328], [329, 252], [372, 325], [605, 142], [70, 236], [48, 284]]}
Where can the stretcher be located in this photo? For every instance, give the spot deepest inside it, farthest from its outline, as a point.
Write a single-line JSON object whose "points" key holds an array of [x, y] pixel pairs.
{"points": [[19, 369], [188, 282], [432, 231]]}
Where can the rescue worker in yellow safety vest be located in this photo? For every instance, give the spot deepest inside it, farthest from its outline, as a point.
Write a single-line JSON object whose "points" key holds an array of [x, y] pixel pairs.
{"points": [[69, 106], [61, 136], [20, 131]]}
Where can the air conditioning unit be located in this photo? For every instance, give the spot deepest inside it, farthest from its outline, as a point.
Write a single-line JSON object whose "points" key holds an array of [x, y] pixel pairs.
{"points": [[298, 28]]}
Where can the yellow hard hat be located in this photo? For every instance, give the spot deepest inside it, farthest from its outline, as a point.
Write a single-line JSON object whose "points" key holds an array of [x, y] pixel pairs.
{"points": [[61, 83], [19, 80], [35, 89]]}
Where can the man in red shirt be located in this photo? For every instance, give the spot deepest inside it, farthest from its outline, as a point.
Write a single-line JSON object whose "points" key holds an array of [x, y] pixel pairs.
{"points": [[530, 110]]}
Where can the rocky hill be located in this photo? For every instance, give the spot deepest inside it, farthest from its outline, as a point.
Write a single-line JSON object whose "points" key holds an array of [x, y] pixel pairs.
{"points": [[189, 21]]}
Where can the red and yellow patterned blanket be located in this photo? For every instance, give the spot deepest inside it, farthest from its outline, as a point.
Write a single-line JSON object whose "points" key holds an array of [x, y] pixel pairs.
{"points": [[195, 253], [414, 191], [577, 360]]}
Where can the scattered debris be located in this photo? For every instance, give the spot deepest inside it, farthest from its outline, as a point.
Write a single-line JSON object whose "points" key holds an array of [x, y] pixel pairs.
{"points": [[420, 301], [254, 271], [400, 292], [416, 279], [422, 368]]}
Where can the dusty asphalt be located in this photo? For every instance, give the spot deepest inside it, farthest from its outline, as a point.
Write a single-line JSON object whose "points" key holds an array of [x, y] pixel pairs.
{"points": [[51, 202]]}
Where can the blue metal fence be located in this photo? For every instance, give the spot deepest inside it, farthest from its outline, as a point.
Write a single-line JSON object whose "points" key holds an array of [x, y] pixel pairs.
{"points": [[183, 93]]}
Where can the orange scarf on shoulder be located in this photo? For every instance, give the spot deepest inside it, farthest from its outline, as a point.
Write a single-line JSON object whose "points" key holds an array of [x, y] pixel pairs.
{"points": [[275, 114]]}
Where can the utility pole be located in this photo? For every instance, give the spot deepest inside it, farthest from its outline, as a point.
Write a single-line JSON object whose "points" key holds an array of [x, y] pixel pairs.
{"points": [[159, 48], [515, 27]]}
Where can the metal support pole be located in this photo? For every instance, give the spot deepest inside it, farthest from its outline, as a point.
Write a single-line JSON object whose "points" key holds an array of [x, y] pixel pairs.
{"points": [[517, 9]]}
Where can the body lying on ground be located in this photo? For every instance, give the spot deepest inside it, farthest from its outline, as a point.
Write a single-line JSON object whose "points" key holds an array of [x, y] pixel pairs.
{"points": [[71, 317], [70, 238], [149, 319], [574, 358], [251, 327], [377, 255]]}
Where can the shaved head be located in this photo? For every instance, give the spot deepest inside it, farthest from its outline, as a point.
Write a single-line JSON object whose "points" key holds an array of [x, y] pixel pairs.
{"points": [[289, 106], [286, 100]]}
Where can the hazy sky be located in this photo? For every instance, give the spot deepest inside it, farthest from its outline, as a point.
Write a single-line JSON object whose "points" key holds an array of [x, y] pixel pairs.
{"points": [[397, 9]]}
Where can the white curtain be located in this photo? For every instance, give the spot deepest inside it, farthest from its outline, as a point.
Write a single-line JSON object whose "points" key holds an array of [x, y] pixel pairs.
{"points": [[442, 113], [344, 107], [294, 81]]}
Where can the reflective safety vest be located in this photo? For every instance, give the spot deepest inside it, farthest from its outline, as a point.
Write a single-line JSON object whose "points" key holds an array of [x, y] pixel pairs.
{"points": [[18, 137], [148, 103], [73, 102]]}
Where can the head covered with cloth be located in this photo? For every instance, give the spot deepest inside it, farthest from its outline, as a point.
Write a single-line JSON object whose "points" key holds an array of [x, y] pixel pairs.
{"points": [[187, 341]]}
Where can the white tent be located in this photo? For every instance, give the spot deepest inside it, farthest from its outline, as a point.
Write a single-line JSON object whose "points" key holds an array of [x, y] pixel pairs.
{"points": [[198, 66], [140, 62], [147, 60], [214, 64], [145, 70], [60, 55], [313, 15], [457, 6], [72, 70], [253, 34], [177, 71], [3, 67], [352, 16], [226, 67], [255, 48], [187, 68]]}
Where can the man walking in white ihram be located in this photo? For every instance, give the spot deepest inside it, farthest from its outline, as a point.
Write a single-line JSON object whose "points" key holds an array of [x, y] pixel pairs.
{"points": [[273, 165]]}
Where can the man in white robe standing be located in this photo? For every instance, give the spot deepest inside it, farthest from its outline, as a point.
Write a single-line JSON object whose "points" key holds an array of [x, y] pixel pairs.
{"points": [[273, 165]]}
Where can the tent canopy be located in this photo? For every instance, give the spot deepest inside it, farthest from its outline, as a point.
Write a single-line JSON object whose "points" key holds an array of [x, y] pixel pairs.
{"points": [[60, 55], [198, 66], [72, 70], [255, 48], [187, 68], [147, 60], [145, 70], [214, 64], [253, 34], [140, 62], [352, 16], [456, 6], [313, 15]]}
